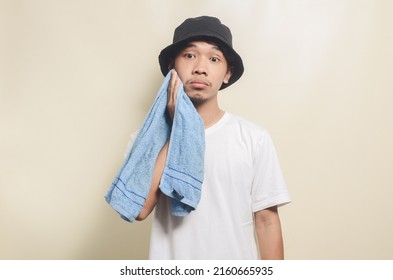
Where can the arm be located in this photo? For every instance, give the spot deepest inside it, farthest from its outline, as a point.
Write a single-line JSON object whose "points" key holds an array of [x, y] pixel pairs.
{"points": [[155, 193], [268, 230]]}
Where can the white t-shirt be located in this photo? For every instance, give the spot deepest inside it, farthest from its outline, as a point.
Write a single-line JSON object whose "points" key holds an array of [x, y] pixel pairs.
{"points": [[242, 176]]}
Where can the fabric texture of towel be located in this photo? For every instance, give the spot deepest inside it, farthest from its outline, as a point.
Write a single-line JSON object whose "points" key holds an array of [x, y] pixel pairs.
{"points": [[184, 168]]}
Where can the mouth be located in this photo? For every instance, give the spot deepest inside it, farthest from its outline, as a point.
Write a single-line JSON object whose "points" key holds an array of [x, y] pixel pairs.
{"points": [[198, 84]]}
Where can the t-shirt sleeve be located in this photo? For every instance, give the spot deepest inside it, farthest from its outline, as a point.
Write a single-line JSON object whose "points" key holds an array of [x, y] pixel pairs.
{"points": [[268, 187]]}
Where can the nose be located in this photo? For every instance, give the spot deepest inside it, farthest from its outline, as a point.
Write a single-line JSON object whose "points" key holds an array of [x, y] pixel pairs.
{"points": [[200, 67]]}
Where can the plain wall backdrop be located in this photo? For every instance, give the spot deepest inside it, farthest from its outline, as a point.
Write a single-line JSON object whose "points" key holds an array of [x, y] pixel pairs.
{"points": [[78, 77]]}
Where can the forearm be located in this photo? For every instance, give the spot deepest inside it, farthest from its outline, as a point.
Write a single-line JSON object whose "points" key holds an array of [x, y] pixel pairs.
{"points": [[154, 193], [269, 234]]}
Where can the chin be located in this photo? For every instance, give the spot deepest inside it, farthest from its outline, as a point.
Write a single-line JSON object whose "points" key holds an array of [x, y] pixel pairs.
{"points": [[197, 100]]}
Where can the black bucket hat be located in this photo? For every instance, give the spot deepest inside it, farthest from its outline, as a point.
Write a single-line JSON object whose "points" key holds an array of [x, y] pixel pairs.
{"points": [[203, 28]]}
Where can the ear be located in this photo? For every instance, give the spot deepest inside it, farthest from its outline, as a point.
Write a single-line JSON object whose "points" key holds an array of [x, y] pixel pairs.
{"points": [[228, 75]]}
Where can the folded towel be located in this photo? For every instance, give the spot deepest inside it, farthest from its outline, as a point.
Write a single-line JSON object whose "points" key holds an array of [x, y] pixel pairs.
{"points": [[183, 172]]}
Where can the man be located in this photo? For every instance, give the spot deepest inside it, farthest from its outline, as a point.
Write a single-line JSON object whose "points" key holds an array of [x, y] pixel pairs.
{"points": [[237, 215]]}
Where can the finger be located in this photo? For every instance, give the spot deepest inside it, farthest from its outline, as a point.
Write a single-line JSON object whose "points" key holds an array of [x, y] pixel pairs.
{"points": [[172, 93], [173, 87], [176, 86]]}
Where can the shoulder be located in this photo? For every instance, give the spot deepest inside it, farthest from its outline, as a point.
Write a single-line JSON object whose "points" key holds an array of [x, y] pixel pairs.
{"points": [[248, 134], [247, 127]]}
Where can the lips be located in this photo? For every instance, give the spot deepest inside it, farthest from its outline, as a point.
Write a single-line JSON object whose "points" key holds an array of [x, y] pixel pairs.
{"points": [[197, 83]]}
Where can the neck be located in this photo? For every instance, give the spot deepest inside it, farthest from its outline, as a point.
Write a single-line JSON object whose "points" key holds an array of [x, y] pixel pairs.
{"points": [[210, 113]]}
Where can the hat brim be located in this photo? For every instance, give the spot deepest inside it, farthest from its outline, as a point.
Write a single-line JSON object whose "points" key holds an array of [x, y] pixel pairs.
{"points": [[167, 55]]}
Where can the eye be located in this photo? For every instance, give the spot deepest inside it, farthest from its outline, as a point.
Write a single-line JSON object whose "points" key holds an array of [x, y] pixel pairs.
{"points": [[214, 59], [189, 55]]}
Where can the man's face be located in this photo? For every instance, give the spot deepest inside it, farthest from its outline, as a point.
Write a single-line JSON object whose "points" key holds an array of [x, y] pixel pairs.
{"points": [[202, 68]]}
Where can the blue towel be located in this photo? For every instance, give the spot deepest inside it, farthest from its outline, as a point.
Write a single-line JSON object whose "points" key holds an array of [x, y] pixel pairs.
{"points": [[184, 169]]}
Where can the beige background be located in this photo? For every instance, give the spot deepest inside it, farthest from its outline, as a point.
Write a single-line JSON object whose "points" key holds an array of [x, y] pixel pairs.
{"points": [[77, 78]]}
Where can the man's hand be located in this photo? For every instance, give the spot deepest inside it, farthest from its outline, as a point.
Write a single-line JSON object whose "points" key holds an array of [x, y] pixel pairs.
{"points": [[173, 88]]}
